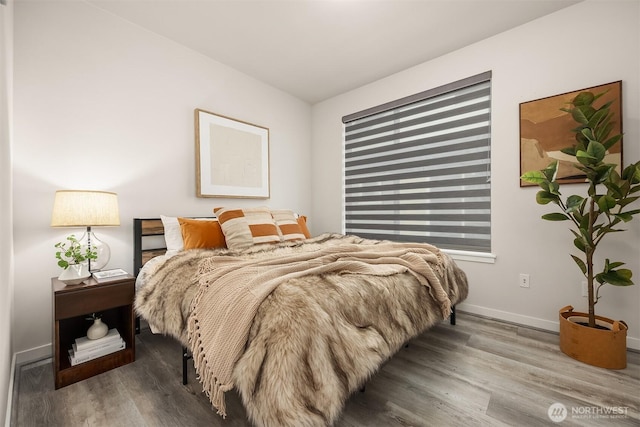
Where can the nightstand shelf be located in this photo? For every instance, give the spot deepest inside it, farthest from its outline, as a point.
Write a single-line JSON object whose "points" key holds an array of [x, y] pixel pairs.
{"points": [[71, 305]]}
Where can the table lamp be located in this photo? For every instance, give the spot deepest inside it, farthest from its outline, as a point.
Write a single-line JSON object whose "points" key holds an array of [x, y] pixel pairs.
{"points": [[82, 208]]}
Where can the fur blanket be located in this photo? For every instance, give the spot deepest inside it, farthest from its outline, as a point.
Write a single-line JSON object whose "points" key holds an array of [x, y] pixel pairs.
{"points": [[315, 339]]}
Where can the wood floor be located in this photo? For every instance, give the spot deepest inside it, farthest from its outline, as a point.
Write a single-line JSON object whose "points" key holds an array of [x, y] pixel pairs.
{"points": [[478, 373]]}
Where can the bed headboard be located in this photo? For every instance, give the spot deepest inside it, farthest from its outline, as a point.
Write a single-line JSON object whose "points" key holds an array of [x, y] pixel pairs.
{"points": [[143, 228]]}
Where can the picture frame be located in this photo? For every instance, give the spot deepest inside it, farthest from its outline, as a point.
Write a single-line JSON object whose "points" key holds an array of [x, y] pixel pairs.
{"points": [[545, 130], [232, 157]]}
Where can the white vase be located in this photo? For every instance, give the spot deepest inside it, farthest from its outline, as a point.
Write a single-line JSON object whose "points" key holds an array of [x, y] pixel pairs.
{"points": [[74, 274], [97, 330]]}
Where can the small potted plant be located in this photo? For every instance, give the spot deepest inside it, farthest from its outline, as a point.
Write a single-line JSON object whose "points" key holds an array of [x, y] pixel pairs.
{"points": [[593, 339], [73, 259]]}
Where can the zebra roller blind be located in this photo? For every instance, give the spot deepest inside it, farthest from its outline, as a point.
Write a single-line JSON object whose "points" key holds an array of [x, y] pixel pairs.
{"points": [[418, 169]]}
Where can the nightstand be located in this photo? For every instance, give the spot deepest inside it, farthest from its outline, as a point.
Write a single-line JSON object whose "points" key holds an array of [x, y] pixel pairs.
{"points": [[72, 304]]}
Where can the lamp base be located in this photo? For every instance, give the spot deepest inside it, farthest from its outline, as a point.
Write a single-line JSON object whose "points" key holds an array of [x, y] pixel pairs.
{"points": [[90, 240]]}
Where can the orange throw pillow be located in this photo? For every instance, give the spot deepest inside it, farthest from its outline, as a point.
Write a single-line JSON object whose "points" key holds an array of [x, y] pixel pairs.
{"points": [[302, 222], [201, 234]]}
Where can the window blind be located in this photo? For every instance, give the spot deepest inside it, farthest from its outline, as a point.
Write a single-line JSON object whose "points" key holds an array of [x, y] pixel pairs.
{"points": [[418, 169]]}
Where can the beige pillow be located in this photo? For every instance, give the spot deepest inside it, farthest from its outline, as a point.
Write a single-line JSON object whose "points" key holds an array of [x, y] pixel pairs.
{"points": [[243, 228], [288, 224]]}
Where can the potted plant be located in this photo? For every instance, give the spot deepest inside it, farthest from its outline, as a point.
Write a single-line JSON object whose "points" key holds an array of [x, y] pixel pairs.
{"points": [[599, 213], [73, 259]]}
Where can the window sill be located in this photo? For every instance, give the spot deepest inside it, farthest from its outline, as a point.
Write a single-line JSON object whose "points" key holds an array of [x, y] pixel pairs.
{"points": [[482, 257]]}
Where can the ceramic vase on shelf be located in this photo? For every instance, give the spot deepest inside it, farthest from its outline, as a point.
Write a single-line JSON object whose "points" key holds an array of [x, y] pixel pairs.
{"points": [[97, 329], [75, 274]]}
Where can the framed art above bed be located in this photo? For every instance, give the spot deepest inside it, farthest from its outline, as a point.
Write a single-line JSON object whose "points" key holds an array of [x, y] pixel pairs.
{"points": [[232, 157]]}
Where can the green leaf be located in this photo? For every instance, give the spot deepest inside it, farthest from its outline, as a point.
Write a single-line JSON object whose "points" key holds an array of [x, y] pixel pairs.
{"points": [[574, 203], [627, 200], [585, 158], [624, 216], [582, 114], [545, 197], [614, 189], [603, 132], [555, 216], [581, 264], [596, 150], [584, 224], [577, 215], [601, 173], [586, 237], [620, 277], [605, 106], [534, 177], [588, 133], [632, 173], [597, 117], [606, 203], [551, 171], [612, 265], [583, 98], [612, 141], [579, 243]]}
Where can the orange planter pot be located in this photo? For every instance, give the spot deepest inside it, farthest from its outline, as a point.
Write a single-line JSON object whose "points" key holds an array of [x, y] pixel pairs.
{"points": [[605, 348]]}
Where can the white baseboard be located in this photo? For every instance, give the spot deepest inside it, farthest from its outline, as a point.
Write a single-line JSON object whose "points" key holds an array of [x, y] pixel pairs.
{"points": [[34, 354], [534, 322], [27, 356], [12, 376]]}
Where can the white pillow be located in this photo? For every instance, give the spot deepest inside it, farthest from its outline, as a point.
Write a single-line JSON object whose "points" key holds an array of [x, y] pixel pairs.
{"points": [[172, 234]]}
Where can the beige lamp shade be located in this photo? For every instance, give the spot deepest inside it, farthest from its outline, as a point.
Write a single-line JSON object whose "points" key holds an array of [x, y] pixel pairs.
{"points": [[79, 208]]}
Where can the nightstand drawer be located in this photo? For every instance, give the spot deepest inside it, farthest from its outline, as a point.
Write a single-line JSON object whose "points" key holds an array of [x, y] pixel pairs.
{"points": [[103, 297]]}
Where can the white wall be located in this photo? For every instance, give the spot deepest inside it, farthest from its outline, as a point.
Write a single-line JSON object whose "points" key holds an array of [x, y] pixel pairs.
{"points": [[542, 58], [6, 229], [103, 104]]}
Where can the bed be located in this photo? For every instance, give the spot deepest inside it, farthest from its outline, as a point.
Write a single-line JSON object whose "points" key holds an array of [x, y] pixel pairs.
{"points": [[297, 324]]}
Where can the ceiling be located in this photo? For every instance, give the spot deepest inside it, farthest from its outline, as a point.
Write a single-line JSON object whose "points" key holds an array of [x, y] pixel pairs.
{"points": [[316, 49]]}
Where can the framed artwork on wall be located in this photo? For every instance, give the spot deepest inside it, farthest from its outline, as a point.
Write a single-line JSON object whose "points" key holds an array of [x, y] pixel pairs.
{"points": [[545, 130], [232, 157]]}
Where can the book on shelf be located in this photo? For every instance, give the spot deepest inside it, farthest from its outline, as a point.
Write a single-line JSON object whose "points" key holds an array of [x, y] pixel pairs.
{"points": [[88, 355], [84, 343], [109, 275]]}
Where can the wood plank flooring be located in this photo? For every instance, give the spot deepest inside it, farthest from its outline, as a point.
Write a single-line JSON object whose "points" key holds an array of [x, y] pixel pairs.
{"points": [[480, 372]]}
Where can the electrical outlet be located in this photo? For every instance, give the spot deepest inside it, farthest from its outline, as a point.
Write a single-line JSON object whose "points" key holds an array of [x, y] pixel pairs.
{"points": [[524, 280], [585, 292]]}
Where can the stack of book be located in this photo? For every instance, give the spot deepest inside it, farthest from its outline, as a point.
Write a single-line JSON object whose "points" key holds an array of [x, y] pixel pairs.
{"points": [[109, 275], [85, 349]]}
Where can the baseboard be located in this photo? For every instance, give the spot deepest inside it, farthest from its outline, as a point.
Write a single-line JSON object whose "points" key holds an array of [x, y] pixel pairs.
{"points": [[534, 322], [12, 376], [34, 354]]}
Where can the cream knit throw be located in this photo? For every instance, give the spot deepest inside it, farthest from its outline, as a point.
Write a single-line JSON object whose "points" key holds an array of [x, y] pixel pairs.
{"points": [[232, 289]]}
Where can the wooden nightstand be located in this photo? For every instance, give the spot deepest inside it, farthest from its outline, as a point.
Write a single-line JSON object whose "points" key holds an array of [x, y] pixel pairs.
{"points": [[71, 305]]}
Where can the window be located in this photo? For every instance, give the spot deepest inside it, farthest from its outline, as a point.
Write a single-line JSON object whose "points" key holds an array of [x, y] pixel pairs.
{"points": [[418, 169]]}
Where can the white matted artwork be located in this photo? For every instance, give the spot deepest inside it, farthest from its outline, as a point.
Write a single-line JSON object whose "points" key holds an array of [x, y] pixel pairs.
{"points": [[232, 157]]}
